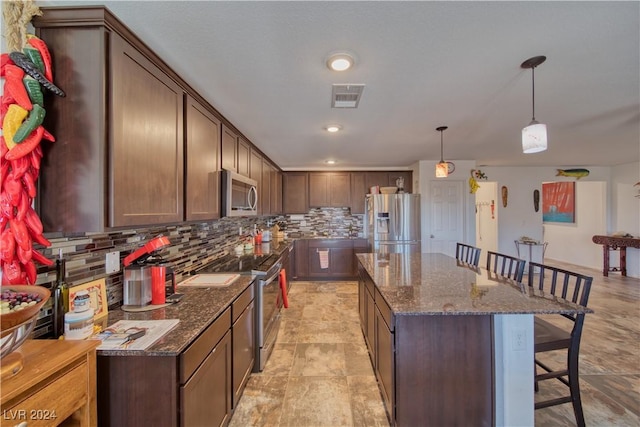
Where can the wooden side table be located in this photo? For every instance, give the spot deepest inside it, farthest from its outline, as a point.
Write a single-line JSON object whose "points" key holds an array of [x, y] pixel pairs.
{"points": [[610, 243], [56, 386]]}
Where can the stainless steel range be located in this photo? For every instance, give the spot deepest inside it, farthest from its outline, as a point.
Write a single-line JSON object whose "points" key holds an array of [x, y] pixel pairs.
{"points": [[269, 300], [269, 305]]}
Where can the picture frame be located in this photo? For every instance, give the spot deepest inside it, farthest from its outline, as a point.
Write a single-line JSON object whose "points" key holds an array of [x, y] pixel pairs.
{"points": [[559, 202], [97, 297]]}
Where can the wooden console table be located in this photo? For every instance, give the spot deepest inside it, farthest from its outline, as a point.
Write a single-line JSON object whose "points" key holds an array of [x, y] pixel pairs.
{"points": [[616, 243], [56, 386]]}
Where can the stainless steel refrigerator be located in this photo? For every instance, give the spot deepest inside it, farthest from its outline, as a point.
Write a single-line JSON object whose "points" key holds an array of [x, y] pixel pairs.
{"points": [[392, 222]]}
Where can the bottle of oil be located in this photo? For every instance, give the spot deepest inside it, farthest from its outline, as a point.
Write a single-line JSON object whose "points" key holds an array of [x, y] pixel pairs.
{"points": [[60, 298]]}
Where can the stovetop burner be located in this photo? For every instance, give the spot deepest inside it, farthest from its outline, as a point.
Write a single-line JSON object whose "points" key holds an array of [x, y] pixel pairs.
{"points": [[244, 264]]}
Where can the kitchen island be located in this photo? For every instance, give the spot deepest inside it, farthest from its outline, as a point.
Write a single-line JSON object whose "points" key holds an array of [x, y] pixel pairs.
{"points": [[450, 344]]}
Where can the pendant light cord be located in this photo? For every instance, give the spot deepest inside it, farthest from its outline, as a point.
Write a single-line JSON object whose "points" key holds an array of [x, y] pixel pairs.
{"points": [[533, 91], [441, 149]]}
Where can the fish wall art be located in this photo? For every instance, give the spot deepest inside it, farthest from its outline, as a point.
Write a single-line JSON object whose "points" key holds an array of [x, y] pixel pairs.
{"points": [[575, 173]]}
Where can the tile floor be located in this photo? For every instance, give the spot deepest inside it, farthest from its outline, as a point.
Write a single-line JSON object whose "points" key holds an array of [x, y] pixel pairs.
{"points": [[320, 375]]}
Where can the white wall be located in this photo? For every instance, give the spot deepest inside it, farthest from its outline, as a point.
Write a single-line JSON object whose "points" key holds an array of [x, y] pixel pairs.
{"points": [[487, 224], [572, 242], [625, 216], [607, 205]]}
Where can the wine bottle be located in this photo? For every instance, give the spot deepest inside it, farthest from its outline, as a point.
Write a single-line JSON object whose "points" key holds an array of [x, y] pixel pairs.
{"points": [[59, 291]]}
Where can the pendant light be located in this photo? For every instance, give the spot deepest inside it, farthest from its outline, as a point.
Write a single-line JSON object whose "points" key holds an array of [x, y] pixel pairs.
{"points": [[534, 136], [442, 168]]}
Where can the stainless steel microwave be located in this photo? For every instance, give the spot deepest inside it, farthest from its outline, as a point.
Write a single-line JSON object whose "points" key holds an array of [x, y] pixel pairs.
{"points": [[240, 195]]}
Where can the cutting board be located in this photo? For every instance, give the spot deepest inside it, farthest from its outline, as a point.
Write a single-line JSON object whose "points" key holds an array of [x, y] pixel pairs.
{"points": [[208, 280]]}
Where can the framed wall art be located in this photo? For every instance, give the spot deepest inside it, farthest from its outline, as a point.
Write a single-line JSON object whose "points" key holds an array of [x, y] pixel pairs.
{"points": [[98, 297], [559, 202]]}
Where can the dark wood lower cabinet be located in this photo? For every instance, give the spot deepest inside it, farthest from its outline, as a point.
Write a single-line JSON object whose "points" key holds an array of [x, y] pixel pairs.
{"points": [[190, 389], [131, 392], [198, 387], [206, 397], [431, 369], [339, 259], [342, 261], [370, 328], [244, 350], [385, 348]]}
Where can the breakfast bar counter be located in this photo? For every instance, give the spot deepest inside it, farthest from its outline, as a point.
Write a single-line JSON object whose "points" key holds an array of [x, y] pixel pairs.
{"points": [[436, 284], [450, 343]]}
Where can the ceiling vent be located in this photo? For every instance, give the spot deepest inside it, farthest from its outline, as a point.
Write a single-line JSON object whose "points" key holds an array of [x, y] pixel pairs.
{"points": [[346, 96]]}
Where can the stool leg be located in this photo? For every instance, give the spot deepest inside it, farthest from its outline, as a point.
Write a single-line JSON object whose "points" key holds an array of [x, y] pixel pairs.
{"points": [[574, 387]]}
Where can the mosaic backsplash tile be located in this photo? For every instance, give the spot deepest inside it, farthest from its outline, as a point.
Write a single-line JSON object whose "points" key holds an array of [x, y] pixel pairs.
{"points": [[192, 246]]}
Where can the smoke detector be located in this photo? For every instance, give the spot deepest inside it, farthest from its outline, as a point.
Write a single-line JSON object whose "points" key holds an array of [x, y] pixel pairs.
{"points": [[346, 95]]}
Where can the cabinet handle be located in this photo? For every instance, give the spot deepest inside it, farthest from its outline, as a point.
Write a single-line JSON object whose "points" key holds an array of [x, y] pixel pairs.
{"points": [[252, 191]]}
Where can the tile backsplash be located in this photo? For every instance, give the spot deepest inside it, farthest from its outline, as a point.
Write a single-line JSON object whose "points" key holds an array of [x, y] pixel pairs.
{"points": [[192, 246], [333, 222]]}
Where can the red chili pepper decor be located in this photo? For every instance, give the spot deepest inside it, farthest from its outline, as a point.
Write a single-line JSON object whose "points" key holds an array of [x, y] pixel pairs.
{"points": [[20, 226]]}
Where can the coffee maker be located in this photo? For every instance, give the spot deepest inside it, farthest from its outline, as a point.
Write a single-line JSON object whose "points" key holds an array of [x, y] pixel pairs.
{"points": [[162, 271], [141, 268]]}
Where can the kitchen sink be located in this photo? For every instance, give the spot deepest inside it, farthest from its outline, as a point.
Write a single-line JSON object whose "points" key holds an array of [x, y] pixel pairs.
{"points": [[209, 280]]}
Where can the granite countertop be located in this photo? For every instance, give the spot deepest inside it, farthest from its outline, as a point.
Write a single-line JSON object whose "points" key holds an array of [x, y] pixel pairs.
{"points": [[315, 235], [200, 306], [196, 311], [437, 284]]}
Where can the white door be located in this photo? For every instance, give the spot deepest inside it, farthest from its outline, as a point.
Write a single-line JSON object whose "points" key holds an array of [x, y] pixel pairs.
{"points": [[446, 219]]}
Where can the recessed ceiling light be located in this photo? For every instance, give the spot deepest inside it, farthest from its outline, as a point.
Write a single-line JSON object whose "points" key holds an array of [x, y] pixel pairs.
{"points": [[330, 162], [340, 61], [333, 128]]}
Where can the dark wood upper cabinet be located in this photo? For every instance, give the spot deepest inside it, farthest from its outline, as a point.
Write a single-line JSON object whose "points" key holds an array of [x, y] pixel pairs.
{"points": [[388, 179], [265, 189], [329, 189], [375, 178], [406, 175], [119, 159], [255, 173], [244, 151], [276, 192], [202, 189], [144, 97], [229, 149], [358, 191], [318, 189], [272, 189], [120, 123], [361, 183], [295, 192]]}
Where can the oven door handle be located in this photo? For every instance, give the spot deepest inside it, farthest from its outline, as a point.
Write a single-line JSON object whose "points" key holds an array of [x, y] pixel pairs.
{"points": [[273, 277]]}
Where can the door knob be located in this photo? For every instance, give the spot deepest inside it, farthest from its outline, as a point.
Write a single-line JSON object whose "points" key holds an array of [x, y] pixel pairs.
{"points": [[431, 236]]}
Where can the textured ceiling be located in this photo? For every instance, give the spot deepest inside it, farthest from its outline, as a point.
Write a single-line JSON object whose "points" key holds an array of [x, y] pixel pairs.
{"points": [[424, 64]]}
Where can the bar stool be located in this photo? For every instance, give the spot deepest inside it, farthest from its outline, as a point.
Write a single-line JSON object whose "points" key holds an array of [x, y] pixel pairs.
{"points": [[467, 253], [572, 287], [506, 265]]}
